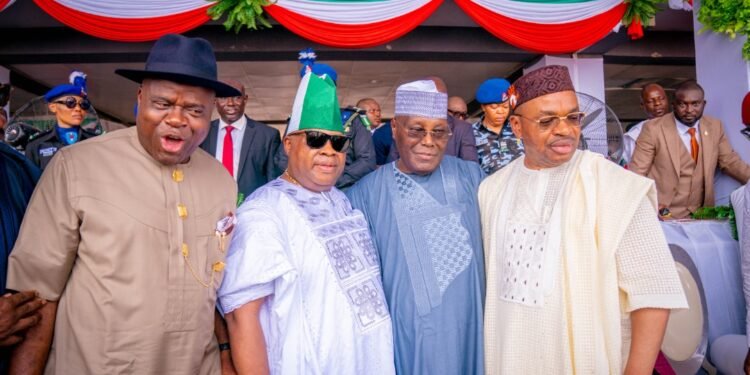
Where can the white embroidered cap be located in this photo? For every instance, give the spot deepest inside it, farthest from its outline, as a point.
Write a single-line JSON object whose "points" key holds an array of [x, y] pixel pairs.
{"points": [[421, 98]]}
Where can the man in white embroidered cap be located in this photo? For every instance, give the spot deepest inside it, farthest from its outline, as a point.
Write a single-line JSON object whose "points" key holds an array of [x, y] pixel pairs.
{"points": [[130, 257], [302, 292], [573, 248], [423, 215]]}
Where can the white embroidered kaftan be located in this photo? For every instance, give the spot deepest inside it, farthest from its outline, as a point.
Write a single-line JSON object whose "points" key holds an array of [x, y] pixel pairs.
{"points": [[312, 257]]}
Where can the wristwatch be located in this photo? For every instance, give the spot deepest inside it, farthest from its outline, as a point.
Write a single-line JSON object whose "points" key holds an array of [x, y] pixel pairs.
{"points": [[223, 346]]}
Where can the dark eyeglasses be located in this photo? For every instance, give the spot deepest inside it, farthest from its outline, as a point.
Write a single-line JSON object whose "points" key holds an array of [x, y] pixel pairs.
{"points": [[419, 133], [71, 103], [317, 140], [549, 122], [461, 115]]}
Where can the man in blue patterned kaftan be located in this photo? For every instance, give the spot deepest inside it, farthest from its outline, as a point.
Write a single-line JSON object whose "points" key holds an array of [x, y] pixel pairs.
{"points": [[302, 291], [423, 215]]}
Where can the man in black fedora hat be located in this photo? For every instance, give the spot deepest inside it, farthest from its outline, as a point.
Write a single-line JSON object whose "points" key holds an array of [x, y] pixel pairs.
{"points": [[131, 256]]}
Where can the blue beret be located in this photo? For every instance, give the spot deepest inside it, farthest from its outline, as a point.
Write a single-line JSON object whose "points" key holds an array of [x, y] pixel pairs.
{"points": [[493, 90], [320, 69], [77, 86]]}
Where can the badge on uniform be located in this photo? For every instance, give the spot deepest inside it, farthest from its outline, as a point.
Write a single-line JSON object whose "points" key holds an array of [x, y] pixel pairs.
{"points": [[49, 151], [503, 146]]}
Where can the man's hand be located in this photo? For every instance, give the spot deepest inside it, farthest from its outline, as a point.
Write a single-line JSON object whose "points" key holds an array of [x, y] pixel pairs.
{"points": [[227, 367], [747, 362], [18, 312]]}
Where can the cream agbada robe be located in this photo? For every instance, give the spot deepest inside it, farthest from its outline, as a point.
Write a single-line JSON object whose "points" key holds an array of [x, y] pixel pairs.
{"points": [[564, 274], [104, 235]]}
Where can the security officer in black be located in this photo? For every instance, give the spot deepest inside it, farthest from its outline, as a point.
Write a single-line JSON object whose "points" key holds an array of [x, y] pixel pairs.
{"points": [[69, 103]]}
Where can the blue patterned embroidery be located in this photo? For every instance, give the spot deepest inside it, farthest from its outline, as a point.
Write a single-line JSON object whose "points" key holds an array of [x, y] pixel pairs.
{"points": [[368, 302], [341, 253], [346, 240], [445, 238], [449, 246], [364, 240]]}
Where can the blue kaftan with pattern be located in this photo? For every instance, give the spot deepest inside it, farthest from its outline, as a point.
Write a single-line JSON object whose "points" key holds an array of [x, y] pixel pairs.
{"points": [[427, 232]]}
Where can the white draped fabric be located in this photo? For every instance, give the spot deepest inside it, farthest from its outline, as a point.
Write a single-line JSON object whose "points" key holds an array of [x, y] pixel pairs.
{"points": [[352, 12], [547, 13], [134, 8]]}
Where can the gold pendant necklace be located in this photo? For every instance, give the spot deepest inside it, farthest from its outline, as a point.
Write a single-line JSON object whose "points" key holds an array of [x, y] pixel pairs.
{"points": [[290, 178], [294, 181]]}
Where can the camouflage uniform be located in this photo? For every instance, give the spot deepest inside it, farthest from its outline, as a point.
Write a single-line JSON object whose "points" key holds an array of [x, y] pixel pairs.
{"points": [[496, 150]]}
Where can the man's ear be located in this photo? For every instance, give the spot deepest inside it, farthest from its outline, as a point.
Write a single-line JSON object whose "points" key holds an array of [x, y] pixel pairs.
{"points": [[515, 125], [52, 107], [287, 144]]}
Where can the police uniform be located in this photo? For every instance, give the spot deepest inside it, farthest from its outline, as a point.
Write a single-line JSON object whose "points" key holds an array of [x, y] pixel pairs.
{"points": [[495, 150], [41, 149]]}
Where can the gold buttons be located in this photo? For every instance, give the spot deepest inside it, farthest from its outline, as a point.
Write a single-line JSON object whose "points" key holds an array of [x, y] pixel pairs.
{"points": [[182, 210], [177, 175], [185, 251], [219, 266]]}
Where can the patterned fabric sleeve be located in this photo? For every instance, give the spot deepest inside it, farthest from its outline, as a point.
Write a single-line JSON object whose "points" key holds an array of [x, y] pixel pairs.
{"points": [[646, 270], [257, 257]]}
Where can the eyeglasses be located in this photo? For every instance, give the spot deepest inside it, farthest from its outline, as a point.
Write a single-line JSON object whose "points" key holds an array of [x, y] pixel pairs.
{"points": [[746, 133], [71, 103], [233, 99], [457, 114], [420, 133], [317, 140], [550, 122]]}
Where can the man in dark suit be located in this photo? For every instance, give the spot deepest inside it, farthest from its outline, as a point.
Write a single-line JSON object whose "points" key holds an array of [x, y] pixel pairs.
{"points": [[245, 147], [681, 151]]}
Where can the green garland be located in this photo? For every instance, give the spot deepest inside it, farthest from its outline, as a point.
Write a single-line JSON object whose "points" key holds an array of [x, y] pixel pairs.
{"points": [[730, 17], [718, 213], [247, 13], [643, 10]]}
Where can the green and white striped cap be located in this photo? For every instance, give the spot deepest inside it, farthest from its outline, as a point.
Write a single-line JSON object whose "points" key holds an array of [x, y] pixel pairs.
{"points": [[316, 106]]}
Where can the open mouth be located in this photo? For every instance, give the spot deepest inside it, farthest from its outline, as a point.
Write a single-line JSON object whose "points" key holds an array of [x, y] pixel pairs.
{"points": [[172, 143]]}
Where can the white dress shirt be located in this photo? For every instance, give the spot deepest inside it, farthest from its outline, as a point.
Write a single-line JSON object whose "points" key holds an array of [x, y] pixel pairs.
{"points": [[629, 139], [682, 131], [237, 134]]}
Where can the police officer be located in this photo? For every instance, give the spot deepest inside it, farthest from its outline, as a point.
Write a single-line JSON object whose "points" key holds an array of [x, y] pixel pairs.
{"points": [[69, 103], [496, 144]]}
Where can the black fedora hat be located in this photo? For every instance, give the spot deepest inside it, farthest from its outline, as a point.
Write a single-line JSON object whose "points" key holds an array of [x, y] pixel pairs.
{"points": [[180, 59]]}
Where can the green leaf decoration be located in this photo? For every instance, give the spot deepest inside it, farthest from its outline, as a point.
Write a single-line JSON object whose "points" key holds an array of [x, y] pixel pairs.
{"points": [[640, 9], [241, 13], [718, 213], [240, 198], [729, 17]]}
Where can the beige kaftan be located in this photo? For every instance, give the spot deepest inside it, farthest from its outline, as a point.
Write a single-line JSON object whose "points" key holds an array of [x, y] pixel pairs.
{"points": [[125, 245], [571, 251]]}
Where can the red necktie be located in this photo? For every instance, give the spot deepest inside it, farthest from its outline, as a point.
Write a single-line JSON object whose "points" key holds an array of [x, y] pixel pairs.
{"points": [[693, 145], [227, 154]]}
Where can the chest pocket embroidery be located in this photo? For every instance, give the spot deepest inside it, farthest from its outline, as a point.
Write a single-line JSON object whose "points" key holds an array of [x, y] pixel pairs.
{"points": [[522, 266]]}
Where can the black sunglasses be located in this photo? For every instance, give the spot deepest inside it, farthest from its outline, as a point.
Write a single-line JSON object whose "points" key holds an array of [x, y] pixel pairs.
{"points": [[72, 103], [316, 140]]}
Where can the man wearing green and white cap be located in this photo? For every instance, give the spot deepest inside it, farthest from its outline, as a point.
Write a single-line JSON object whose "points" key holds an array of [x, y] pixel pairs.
{"points": [[302, 291]]}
